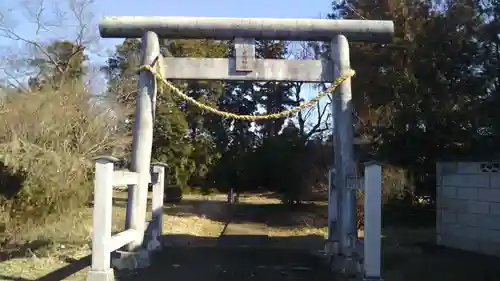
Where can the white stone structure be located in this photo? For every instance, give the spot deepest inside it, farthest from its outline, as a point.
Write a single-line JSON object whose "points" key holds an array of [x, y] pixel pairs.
{"points": [[468, 206], [243, 67]]}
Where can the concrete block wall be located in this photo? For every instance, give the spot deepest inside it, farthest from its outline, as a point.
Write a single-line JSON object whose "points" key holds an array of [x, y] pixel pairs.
{"points": [[468, 206]]}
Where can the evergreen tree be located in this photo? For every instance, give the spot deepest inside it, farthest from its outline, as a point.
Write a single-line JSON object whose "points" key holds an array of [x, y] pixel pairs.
{"points": [[62, 63]]}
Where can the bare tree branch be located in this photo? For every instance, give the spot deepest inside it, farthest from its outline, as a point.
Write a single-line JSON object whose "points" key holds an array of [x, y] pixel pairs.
{"points": [[8, 33], [316, 128], [46, 19], [307, 125]]}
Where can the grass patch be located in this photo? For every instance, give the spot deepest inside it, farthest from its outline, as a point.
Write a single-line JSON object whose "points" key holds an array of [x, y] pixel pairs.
{"points": [[60, 242], [408, 252]]}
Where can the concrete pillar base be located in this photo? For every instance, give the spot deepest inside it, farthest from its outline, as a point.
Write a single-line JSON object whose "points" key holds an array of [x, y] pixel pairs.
{"points": [[366, 278], [108, 275], [131, 260]]}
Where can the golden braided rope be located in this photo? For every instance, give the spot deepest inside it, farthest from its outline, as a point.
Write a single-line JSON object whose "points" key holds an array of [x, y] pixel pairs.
{"points": [[159, 76]]}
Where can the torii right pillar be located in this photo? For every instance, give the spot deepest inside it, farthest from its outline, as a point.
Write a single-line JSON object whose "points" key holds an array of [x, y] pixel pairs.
{"points": [[347, 182]]}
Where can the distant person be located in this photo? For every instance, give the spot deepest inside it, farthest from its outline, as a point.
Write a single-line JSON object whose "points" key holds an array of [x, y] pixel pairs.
{"points": [[230, 196], [233, 197]]}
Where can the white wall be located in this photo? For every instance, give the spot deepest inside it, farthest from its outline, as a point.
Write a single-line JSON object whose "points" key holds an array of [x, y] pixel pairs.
{"points": [[468, 206]]}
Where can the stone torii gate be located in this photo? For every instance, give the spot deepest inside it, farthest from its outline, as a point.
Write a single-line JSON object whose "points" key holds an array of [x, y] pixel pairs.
{"points": [[342, 232]]}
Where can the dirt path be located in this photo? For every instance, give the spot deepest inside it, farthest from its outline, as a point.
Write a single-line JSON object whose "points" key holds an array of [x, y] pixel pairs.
{"points": [[232, 264], [244, 251], [262, 241]]}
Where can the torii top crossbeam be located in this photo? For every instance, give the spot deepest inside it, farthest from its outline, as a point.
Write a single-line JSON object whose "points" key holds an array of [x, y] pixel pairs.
{"points": [[258, 28]]}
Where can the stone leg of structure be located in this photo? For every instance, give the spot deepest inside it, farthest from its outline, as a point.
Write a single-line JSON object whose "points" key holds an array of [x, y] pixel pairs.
{"points": [[344, 158], [245, 67], [107, 275]]}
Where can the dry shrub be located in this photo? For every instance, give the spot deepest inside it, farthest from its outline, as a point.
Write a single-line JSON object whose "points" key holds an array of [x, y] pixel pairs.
{"points": [[47, 141], [396, 186]]}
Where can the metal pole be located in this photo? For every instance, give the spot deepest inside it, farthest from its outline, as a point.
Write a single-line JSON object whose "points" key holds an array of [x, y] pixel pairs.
{"points": [[344, 147], [142, 142]]}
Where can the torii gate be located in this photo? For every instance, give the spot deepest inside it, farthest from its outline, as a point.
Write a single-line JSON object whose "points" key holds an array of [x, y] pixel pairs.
{"points": [[342, 231]]}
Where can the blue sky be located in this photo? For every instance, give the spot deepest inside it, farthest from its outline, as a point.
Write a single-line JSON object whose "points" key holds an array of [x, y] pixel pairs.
{"points": [[16, 13], [215, 8]]}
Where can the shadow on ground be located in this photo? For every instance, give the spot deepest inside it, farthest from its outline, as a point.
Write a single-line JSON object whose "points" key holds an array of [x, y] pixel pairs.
{"points": [[263, 258], [430, 262], [62, 273], [23, 250], [235, 257], [313, 214], [273, 215], [315, 196]]}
